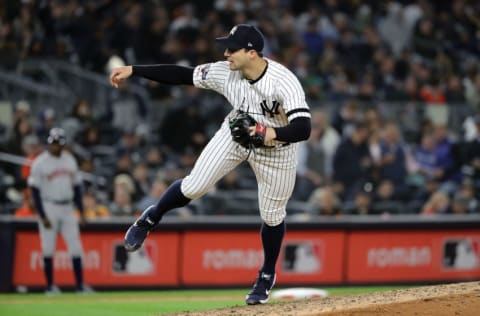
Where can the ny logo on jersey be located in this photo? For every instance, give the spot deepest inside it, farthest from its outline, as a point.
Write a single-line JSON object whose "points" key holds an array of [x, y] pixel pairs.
{"points": [[272, 111]]}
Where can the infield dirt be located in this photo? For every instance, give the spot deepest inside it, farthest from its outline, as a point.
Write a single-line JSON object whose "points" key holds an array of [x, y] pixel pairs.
{"points": [[462, 299]]}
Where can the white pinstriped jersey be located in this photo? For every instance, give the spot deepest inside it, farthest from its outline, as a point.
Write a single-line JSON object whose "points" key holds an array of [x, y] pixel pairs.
{"points": [[54, 176], [274, 99]]}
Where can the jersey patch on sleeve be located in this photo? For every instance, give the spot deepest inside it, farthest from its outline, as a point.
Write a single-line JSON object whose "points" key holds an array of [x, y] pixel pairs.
{"points": [[204, 71]]}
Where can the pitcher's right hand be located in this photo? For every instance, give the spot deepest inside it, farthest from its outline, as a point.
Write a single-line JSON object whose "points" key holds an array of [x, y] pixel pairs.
{"points": [[119, 74]]}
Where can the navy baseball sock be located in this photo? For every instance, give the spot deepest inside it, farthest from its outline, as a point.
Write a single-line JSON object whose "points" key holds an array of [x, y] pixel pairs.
{"points": [[77, 271], [172, 198], [272, 237], [48, 269]]}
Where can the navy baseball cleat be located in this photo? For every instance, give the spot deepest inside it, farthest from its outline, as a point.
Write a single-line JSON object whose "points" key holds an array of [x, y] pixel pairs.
{"points": [[261, 289], [137, 233]]}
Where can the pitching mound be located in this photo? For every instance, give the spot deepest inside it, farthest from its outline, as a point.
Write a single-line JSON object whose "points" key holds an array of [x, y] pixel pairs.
{"points": [[440, 300]]}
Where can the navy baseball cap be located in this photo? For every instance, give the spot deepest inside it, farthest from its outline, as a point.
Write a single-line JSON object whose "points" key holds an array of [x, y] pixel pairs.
{"points": [[243, 36], [57, 135]]}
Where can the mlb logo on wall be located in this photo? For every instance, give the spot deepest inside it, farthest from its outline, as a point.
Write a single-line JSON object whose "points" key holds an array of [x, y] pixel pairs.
{"points": [[461, 254], [133, 263], [302, 257]]}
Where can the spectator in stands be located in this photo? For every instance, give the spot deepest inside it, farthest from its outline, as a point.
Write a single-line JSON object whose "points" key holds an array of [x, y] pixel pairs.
{"points": [[156, 36], [472, 155], [464, 200], [467, 192], [448, 159], [395, 29], [155, 192], [92, 208], [425, 41], [345, 117], [461, 24], [374, 120], [91, 178], [124, 166], [22, 110], [124, 163], [385, 200], [409, 90], [436, 103], [122, 204], [88, 137], [368, 43], [9, 48], [191, 137], [47, 120], [125, 109], [315, 157], [471, 84], [352, 162], [313, 39], [385, 79], [130, 142], [341, 89], [442, 67], [27, 209], [328, 60], [393, 161], [361, 203], [426, 164], [31, 148], [141, 179], [459, 205], [80, 118], [366, 88], [154, 158], [438, 203], [324, 201], [375, 124], [128, 37], [455, 93], [22, 128], [421, 193]]}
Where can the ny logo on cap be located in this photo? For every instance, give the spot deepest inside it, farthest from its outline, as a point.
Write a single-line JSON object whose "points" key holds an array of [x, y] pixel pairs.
{"points": [[234, 29], [249, 44]]}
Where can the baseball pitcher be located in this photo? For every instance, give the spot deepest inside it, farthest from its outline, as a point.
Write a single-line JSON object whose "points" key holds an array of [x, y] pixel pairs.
{"points": [[268, 118]]}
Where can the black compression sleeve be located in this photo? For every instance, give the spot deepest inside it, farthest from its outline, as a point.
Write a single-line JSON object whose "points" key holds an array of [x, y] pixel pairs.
{"points": [[37, 201], [298, 130], [166, 74]]}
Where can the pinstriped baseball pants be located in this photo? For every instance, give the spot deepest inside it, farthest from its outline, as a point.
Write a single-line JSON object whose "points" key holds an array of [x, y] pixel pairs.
{"points": [[274, 168]]}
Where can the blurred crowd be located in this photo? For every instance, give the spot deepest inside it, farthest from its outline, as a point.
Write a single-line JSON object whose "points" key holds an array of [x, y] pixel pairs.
{"points": [[354, 58]]}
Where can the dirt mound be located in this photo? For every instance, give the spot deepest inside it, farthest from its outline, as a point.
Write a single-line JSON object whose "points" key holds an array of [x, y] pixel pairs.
{"points": [[440, 300]]}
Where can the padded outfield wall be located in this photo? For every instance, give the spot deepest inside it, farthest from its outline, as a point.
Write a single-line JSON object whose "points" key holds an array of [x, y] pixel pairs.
{"points": [[227, 252]]}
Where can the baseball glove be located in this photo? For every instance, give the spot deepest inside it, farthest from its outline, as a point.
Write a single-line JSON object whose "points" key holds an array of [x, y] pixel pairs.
{"points": [[240, 125]]}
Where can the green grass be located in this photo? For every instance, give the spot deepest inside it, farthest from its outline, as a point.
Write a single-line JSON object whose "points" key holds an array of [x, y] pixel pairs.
{"points": [[141, 303]]}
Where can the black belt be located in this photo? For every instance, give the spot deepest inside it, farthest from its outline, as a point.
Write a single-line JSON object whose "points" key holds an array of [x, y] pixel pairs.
{"points": [[60, 202], [278, 146]]}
